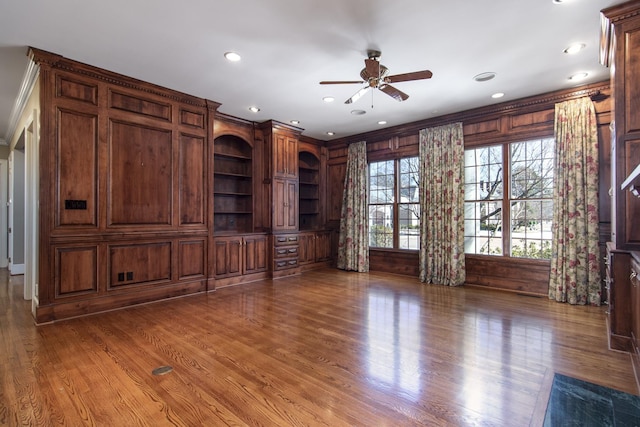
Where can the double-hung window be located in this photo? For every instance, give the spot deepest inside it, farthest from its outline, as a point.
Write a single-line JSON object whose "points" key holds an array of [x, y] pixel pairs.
{"points": [[394, 208], [509, 199]]}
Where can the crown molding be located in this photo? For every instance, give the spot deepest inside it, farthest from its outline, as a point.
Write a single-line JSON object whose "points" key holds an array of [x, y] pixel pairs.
{"points": [[28, 82]]}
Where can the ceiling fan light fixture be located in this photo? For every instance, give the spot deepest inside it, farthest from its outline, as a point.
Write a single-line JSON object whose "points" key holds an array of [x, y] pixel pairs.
{"points": [[574, 48], [484, 77], [232, 56]]}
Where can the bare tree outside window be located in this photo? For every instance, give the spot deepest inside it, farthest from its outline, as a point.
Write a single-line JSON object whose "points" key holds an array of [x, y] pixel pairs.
{"points": [[529, 200]]}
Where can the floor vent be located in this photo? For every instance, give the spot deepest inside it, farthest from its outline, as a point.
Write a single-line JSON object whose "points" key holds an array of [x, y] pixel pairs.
{"points": [[162, 370]]}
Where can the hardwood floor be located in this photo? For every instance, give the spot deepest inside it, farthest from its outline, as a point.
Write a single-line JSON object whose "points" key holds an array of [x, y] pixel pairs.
{"points": [[326, 348]]}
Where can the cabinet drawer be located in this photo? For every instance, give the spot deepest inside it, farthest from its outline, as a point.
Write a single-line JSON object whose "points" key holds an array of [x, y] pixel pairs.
{"points": [[285, 264], [285, 251], [285, 239]]}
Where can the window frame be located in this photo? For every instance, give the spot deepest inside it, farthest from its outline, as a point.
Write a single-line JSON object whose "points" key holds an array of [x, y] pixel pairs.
{"points": [[507, 198], [395, 205]]}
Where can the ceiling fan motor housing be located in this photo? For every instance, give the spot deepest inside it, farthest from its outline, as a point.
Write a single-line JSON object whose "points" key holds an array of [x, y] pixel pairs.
{"points": [[373, 54]]}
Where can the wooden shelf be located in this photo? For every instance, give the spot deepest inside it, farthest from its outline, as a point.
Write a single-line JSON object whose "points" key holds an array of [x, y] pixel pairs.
{"points": [[231, 156], [237, 175], [233, 185], [309, 190]]}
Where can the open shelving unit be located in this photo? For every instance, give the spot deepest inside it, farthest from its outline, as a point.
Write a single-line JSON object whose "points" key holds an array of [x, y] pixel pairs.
{"points": [[232, 185], [309, 191]]}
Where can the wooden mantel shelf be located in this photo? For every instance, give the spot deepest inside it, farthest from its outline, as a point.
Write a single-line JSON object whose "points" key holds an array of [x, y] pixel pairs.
{"points": [[633, 182]]}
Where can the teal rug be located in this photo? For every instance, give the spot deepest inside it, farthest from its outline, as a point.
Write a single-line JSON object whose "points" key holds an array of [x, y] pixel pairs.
{"points": [[573, 402]]}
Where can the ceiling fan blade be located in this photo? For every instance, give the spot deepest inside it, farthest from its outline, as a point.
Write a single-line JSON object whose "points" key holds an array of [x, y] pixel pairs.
{"points": [[340, 82], [357, 95], [373, 68], [393, 92], [416, 75]]}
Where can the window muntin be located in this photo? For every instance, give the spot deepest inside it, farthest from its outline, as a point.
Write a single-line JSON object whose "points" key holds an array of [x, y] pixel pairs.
{"points": [[527, 208], [483, 200], [409, 206], [394, 208]]}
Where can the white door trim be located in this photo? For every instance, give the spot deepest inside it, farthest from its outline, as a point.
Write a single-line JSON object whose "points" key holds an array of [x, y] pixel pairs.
{"points": [[4, 188]]}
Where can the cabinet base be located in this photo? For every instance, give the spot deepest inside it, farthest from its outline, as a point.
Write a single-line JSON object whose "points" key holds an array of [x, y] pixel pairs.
{"points": [[619, 343], [284, 273]]}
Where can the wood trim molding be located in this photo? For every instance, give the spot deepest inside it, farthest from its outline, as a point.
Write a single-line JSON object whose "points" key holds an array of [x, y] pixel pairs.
{"points": [[61, 63], [522, 105]]}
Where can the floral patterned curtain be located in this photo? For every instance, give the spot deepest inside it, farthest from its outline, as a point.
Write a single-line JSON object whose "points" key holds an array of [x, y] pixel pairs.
{"points": [[353, 246], [575, 270], [442, 205]]}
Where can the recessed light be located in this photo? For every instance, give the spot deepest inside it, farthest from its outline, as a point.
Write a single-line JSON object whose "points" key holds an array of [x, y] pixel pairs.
{"points": [[232, 56], [328, 99], [295, 122], [497, 95], [254, 109], [574, 48], [331, 133], [557, 1], [382, 122], [484, 77], [358, 112], [578, 76]]}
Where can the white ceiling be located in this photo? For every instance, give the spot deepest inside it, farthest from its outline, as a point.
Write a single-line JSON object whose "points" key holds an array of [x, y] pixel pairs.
{"points": [[288, 46]]}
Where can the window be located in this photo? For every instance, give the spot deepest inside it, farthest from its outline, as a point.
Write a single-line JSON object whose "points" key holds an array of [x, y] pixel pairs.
{"points": [[394, 209], [510, 184]]}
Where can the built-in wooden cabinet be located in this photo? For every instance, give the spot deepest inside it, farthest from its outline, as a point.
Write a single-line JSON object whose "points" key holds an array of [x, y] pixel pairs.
{"points": [[124, 191], [620, 50], [618, 264], [285, 152], [286, 249], [314, 248], [232, 185], [620, 42], [635, 314], [283, 166], [240, 258], [285, 204]]}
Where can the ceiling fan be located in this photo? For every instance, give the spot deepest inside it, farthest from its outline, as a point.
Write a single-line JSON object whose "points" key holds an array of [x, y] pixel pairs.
{"points": [[375, 75]]}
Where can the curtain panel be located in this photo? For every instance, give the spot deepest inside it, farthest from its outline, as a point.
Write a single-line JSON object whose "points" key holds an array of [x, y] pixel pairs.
{"points": [[442, 258], [575, 269], [353, 244]]}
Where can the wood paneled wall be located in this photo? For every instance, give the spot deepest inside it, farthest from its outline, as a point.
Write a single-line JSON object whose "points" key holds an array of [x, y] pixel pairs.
{"points": [[511, 121], [124, 211]]}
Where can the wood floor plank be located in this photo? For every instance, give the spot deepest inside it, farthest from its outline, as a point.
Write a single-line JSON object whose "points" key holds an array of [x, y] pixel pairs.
{"points": [[327, 348]]}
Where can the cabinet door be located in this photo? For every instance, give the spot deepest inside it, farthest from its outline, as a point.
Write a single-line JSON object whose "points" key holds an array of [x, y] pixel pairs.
{"points": [[323, 245], [285, 156], [285, 204], [255, 254], [307, 252], [635, 304], [228, 257]]}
